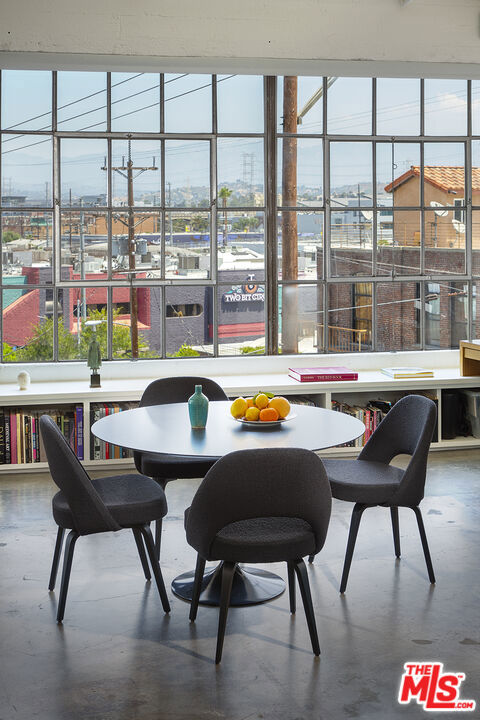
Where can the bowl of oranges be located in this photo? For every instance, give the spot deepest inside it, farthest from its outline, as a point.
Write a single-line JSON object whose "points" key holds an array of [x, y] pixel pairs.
{"points": [[261, 410]]}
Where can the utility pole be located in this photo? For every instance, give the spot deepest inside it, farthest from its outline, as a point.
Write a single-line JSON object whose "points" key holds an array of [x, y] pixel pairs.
{"points": [[127, 170], [170, 213]]}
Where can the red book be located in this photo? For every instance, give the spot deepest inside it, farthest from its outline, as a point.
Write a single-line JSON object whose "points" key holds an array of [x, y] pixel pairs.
{"points": [[322, 374]]}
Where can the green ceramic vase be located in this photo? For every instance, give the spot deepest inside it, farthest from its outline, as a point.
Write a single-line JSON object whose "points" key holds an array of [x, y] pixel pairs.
{"points": [[198, 408]]}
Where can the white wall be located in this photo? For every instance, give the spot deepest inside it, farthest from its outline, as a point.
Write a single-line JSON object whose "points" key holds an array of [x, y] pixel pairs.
{"points": [[297, 36]]}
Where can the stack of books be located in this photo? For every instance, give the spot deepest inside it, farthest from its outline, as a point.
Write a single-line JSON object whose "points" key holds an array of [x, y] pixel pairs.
{"points": [[371, 415], [20, 439], [322, 374], [400, 373]]}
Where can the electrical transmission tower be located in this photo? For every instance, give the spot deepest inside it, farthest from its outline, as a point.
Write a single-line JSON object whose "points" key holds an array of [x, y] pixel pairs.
{"points": [[127, 171], [248, 171]]}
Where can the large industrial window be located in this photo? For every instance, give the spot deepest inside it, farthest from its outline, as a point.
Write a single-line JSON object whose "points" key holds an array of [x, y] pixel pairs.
{"points": [[199, 215]]}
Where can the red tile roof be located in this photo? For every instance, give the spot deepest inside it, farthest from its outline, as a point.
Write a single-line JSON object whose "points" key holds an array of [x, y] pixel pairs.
{"points": [[442, 177]]}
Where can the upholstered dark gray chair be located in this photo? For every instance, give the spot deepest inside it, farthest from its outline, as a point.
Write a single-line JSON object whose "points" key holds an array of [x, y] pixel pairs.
{"points": [[163, 467], [260, 506], [370, 480], [85, 506]]}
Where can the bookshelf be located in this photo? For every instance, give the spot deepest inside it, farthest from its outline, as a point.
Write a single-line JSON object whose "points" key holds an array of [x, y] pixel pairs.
{"points": [[243, 378]]}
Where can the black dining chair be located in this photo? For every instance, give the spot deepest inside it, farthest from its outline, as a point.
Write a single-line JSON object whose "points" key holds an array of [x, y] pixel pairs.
{"points": [[260, 506], [370, 480], [163, 467], [85, 506]]}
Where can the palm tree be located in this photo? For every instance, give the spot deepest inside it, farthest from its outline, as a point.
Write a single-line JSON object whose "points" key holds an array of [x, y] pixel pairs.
{"points": [[225, 194]]}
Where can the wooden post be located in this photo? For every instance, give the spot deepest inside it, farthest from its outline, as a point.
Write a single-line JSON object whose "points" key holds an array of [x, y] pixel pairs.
{"points": [[289, 218]]}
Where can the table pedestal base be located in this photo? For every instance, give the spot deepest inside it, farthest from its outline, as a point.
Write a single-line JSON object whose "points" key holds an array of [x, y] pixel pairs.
{"points": [[250, 586]]}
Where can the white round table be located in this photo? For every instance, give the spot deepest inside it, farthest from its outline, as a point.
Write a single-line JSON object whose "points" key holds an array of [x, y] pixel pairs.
{"points": [[166, 429]]}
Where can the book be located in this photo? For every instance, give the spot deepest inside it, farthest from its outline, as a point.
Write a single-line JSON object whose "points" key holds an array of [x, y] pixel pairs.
{"points": [[322, 374], [8, 455], [2, 437], [399, 373], [13, 437], [79, 431]]}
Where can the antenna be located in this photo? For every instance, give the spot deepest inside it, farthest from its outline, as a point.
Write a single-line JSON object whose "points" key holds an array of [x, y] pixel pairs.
{"points": [[441, 213]]}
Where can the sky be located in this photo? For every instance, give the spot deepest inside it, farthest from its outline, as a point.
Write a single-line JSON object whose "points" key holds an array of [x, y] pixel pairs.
{"points": [[26, 104]]}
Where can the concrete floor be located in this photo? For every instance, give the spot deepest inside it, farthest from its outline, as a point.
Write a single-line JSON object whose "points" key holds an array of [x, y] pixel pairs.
{"points": [[118, 657]]}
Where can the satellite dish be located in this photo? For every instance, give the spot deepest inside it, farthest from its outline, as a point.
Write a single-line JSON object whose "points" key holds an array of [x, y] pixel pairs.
{"points": [[367, 214], [459, 226], [441, 213]]}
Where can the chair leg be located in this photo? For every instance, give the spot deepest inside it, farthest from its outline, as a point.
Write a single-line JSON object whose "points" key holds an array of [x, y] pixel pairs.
{"points": [[150, 545], [228, 571], [301, 571], [291, 585], [352, 536], [158, 537], [72, 538], [396, 530], [141, 551], [56, 558], [426, 551], [197, 587], [311, 558]]}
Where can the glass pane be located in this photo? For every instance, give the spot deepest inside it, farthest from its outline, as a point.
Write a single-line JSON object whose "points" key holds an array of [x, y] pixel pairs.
{"points": [[240, 103], [189, 321], [27, 324], [305, 106], [476, 107], [350, 317], [398, 106], [476, 245], [187, 173], [82, 101], [241, 316], [300, 171], [146, 175], [143, 258], [76, 306], [240, 172], [444, 173], [241, 242], [398, 316], [83, 174], [351, 242], [445, 107], [188, 103], [398, 174], [26, 170], [351, 170], [26, 99], [136, 330], [445, 241], [446, 314], [349, 107], [300, 245], [300, 319], [398, 242], [27, 240], [84, 245], [136, 102], [187, 244]]}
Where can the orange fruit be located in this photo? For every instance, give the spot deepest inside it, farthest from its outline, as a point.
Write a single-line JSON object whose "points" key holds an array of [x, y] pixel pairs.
{"points": [[268, 414], [281, 405], [252, 413], [261, 401], [249, 402], [238, 407]]}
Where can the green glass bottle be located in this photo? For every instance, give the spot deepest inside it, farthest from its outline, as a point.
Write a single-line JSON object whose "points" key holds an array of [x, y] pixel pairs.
{"points": [[198, 408]]}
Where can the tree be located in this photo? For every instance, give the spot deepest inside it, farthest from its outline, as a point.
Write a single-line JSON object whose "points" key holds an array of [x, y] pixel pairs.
{"points": [[10, 236], [224, 194], [40, 347]]}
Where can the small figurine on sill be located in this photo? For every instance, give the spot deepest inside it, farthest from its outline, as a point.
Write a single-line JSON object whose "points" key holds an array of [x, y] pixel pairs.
{"points": [[94, 358]]}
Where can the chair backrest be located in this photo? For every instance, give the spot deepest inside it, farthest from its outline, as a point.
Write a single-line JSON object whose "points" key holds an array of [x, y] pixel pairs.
{"points": [[406, 429], [179, 389], [246, 484], [175, 390], [89, 512]]}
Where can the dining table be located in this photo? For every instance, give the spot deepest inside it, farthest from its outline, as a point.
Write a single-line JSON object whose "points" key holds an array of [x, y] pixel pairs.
{"points": [[166, 429]]}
